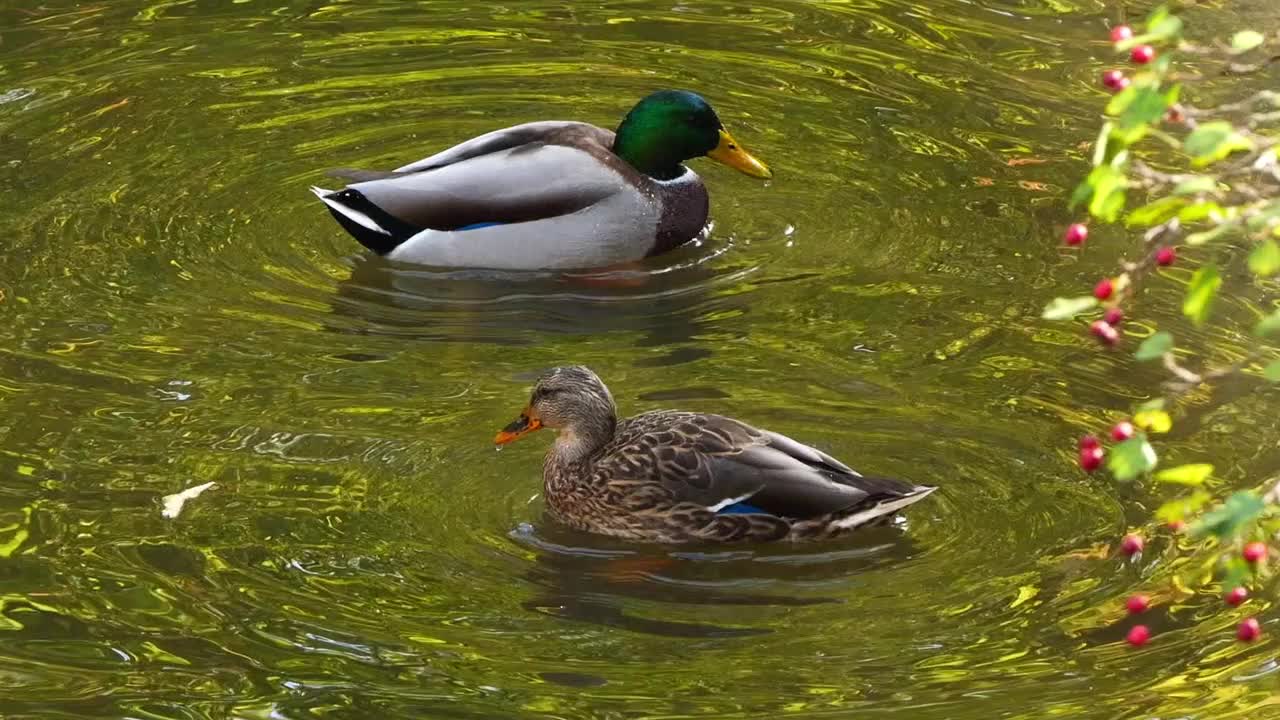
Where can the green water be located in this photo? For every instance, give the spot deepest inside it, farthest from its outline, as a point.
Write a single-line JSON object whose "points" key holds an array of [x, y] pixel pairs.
{"points": [[176, 309]]}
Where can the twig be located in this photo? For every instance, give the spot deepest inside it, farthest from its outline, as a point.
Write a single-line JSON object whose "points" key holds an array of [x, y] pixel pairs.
{"points": [[1189, 379]]}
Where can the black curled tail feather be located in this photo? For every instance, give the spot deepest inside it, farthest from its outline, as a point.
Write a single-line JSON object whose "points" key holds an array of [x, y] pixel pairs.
{"points": [[372, 226]]}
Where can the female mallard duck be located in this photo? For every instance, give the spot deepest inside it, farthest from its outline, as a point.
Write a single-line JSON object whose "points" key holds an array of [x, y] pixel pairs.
{"points": [[678, 477], [547, 195]]}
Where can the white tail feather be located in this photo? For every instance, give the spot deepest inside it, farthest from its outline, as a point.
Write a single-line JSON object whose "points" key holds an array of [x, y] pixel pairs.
{"points": [[880, 510]]}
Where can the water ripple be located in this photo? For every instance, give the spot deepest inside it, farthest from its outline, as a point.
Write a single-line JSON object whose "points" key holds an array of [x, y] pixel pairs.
{"points": [[179, 310]]}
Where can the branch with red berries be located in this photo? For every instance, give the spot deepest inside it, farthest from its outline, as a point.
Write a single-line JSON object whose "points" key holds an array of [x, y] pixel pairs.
{"points": [[1211, 179]]}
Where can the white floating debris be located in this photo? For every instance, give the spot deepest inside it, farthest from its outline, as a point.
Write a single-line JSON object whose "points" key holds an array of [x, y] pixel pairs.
{"points": [[16, 94], [173, 503]]}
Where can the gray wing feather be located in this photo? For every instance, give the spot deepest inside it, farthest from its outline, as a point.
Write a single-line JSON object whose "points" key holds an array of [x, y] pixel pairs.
{"points": [[505, 139], [810, 455], [527, 182]]}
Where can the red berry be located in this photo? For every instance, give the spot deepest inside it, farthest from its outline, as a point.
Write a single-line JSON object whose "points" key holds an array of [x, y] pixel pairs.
{"points": [[1104, 289], [1137, 604], [1076, 234], [1174, 115], [1131, 544], [1165, 256], [1142, 54], [1120, 33], [1255, 552], [1249, 630], [1091, 458], [1113, 316], [1089, 441], [1105, 332], [1236, 597], [1138, 635], [1122, 431], [1177, 525], [1114, 80]]}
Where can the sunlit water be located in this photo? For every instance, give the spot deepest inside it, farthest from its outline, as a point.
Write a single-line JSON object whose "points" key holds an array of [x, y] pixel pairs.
{"points": [[178, 309]]}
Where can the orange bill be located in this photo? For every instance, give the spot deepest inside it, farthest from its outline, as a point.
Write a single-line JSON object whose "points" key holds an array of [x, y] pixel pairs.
{"points": [[730, 153], [518, 428]]}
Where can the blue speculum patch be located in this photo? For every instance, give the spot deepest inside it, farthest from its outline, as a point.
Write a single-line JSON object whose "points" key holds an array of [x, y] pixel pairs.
{"points": [[740, 508]]}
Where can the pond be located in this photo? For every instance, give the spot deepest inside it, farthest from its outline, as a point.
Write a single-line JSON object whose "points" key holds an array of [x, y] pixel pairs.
{"points": [[178, 309]]}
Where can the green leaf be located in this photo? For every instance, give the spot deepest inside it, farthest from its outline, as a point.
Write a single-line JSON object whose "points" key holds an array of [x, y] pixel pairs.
{"points": [[1165, 27], [1182, 507], [1145, 106], [1155, 346], [1246, 40], [1227, 520], [1131, 458], [1154, 213], [1200, 294], [1213, 233], [1158, 15], [1128, 136], [1264, 261], [1082, 193], [1236, 572], [1272, 372], [1195, 185], [1064, 308], [1270, 325], [1100, 146], [1161, 26], [1121, 100], [1108, 192], [1199, 211], [1212, 141], [1193, 474]]}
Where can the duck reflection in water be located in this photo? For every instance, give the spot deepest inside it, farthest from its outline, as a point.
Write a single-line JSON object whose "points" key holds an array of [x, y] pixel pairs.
{"points": [[665, 300], [586, 578]]}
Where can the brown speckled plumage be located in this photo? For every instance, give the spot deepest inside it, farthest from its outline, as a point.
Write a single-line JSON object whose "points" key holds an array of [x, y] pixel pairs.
{"points": [[666, 476]]}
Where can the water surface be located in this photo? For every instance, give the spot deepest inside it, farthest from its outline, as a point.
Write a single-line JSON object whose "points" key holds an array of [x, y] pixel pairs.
{"points": [[178, 309]]}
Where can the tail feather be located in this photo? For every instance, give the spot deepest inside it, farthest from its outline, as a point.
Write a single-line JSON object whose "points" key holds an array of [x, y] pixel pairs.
{"points": [[882, 508], [375, 228]]}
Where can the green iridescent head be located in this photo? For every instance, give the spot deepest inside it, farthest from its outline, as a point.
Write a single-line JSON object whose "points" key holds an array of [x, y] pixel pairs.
{"points": [[671, 126]]}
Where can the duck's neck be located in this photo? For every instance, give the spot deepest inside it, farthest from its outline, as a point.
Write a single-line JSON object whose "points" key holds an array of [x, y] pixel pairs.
{"points": [[582, 440]]}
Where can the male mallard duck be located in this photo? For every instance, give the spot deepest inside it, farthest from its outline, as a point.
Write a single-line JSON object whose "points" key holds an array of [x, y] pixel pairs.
{"points": [[547, 195], [676, 477]]}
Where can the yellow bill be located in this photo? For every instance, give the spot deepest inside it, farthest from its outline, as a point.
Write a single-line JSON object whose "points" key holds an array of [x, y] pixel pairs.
{"points": [[730, 153]]}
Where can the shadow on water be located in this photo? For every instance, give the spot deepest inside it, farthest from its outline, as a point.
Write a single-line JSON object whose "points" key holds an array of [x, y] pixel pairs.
{"points": [[589, 579]]}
